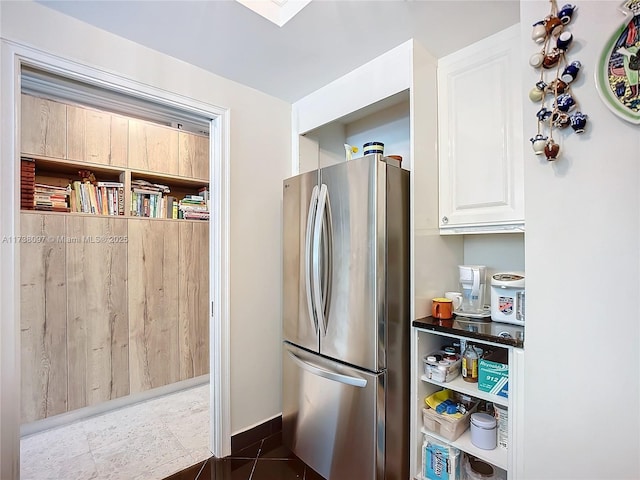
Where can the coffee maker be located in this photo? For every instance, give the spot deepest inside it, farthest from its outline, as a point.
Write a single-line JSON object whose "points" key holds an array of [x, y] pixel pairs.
{"points": [[472, 282]]}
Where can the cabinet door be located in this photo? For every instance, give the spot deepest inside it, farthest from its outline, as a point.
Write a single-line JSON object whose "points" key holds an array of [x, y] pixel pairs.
{"points": [[153, 303], [480, 135], [43, 317], [194, 156], [98, 330], [96, 137], [153, 147], [43, 125], [119, 146], [193, 287], [88, 135]]}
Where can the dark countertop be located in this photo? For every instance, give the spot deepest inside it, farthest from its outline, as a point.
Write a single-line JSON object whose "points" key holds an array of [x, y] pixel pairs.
{"points": [[481, 329]]}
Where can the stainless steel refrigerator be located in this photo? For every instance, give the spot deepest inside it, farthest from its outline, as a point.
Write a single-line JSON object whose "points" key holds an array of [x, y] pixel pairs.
{"points": [[346, 319]]}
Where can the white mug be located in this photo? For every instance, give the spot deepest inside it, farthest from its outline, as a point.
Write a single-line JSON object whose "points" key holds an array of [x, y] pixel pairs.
{"points": [[456, 298]]}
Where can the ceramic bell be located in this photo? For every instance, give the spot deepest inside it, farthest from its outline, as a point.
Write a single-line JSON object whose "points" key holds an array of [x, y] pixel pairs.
{"points": [[535, 94], [578, 122], [543, 114], [539, 33], [565, 102], [551, 59], [538, 143], [553, 25], [536, 59], [564, 40], [557, 86], [570, 72], [560, 119], [551, 150], [566, 12]]}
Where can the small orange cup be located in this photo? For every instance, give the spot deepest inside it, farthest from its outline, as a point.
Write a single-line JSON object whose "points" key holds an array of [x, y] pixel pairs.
{"points": [[442, 308]]}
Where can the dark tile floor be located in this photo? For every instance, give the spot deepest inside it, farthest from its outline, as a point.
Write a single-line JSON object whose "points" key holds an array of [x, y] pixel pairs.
{"points": [[265, 460]]}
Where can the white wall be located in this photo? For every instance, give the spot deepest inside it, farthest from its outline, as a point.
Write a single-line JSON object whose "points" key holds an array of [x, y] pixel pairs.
{"points": [[500, 252], [260, 149], [582, 264]]}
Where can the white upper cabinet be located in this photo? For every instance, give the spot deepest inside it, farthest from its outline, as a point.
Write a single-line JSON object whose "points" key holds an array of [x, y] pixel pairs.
{"points": [[480, 137]]}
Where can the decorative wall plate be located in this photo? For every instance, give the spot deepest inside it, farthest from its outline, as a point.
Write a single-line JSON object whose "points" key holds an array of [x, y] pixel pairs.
{"points": [[617, 73]]}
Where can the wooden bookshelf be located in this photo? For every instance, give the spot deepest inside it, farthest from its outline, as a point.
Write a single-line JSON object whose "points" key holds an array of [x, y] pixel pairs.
{"points": [[127, 297]]}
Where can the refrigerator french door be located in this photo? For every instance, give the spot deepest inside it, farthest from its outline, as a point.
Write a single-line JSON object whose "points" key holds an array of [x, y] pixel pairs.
{"points": [[345, 306]]}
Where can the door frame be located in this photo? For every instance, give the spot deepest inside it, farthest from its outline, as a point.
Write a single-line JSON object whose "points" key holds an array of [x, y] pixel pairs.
{"points": [[13, 56]]}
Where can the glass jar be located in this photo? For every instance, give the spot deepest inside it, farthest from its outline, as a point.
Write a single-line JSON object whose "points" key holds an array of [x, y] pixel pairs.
{"points": [[450, 354]]}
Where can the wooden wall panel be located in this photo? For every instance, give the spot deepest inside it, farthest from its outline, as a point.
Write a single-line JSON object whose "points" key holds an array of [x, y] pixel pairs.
{"points": [[153, 303], [88, 135], [43, 314], [194, 299], [98, 329], [194, 156], [153, 147], [43, 125]]}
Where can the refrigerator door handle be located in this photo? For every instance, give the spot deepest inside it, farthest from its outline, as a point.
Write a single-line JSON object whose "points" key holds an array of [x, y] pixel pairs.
{"points": [[311, 215], [329, 375], [317, 237]]}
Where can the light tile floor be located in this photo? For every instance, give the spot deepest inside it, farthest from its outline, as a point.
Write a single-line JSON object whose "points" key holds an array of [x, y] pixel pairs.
{"points": [[146, 441]]}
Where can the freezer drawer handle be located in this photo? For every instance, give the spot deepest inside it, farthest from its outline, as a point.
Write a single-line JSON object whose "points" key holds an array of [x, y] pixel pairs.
{"points": [[321, 372]]}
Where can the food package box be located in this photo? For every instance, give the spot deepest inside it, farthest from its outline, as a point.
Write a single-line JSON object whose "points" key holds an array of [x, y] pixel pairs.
{"points": [[493, 374], [445, 425], [439, 461], [441, 373]]}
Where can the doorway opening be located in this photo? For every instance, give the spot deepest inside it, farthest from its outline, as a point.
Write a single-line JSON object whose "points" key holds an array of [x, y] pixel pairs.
{"points": [[88, 246]]}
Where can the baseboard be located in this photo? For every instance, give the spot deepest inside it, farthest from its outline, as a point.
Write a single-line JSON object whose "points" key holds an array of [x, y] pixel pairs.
{"points": [[242, 440], [85, 412]]}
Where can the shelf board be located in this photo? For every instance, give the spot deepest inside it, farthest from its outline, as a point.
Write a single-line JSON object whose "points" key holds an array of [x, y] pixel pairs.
{"points": [[459, 385], [122, 217], [71, 167], [498, 456], [172, 180]]}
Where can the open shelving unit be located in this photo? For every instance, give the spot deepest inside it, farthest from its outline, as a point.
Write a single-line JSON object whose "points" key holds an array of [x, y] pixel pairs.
{"points": [[429, 341]]}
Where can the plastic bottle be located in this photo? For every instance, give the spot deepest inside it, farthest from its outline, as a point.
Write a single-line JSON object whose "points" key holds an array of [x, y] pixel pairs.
{"points": [[470, 364]]}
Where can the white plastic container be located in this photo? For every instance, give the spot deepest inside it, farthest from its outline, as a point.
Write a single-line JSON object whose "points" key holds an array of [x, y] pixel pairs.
{"points": [[483, 431], [443, 371]]}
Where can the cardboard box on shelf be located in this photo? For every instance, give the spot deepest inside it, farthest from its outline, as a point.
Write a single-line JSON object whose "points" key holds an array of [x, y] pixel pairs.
{"points": [[493, 374]]}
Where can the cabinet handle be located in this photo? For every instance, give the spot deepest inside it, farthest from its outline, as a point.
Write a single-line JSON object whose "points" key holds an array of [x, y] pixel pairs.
{"points": [[445, 219]]}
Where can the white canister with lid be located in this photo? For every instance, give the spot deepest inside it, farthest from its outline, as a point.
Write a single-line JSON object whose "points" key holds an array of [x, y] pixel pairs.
{"points": [[483, 431], [507, 298]]}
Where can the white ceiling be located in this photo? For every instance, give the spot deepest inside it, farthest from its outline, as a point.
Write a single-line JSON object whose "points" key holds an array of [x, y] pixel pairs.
{"points": [[324, 41]]}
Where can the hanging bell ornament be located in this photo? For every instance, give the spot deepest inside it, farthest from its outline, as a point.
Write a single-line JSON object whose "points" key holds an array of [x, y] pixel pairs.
{"points": [[538, 143], [551, 150]]}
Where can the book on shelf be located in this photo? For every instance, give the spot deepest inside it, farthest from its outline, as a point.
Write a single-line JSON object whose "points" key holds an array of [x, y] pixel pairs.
{"points": [[193, 207], [98, 198], [50, 198], [145, 185], [147, 204], [193, 215], [27, 181]]}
